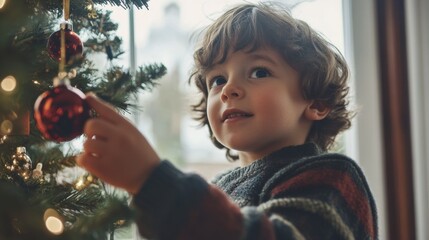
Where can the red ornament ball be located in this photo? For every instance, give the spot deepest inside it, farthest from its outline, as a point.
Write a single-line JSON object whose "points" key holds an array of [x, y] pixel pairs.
{"points": [[73, 44], [61, 113]]}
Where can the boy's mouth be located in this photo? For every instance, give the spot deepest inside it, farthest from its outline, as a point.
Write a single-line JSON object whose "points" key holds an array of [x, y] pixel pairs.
{"points": [[234, 113]]}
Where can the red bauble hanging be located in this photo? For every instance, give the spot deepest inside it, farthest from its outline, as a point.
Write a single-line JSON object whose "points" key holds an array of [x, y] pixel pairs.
{"points": [[73, 44], [61, 113]]}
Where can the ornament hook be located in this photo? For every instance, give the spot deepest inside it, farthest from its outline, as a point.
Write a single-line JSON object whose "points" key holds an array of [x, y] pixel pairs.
{"points": [[66, 6]]}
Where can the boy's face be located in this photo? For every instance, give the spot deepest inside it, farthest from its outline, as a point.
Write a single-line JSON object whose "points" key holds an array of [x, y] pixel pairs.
{"points": [[255, 105]]}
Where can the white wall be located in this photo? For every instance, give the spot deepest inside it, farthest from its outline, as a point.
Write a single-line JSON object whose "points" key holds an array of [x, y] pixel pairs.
{"points": [[417, 24], [361, 40]]}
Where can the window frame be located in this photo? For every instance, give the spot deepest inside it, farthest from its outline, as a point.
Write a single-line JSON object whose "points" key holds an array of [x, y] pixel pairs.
{"points": [[417, 25], [362, 54]]}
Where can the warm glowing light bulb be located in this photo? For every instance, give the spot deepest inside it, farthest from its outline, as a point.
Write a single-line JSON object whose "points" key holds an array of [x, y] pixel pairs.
{"points": [[54, 225], [6, 127], [53, 221], [2, 3], [79, 185], [37, 172], [8, 84]]}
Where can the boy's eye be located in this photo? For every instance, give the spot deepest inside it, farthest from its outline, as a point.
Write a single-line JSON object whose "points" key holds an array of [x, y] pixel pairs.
{"points": [[217, 81], [259, 73]]}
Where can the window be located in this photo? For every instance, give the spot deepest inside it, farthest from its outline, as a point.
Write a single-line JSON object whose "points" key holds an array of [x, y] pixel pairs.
{"points": [[163, 34]]}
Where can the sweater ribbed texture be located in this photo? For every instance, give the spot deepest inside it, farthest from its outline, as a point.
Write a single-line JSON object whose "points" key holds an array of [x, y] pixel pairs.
{"points": [[297, 192]]}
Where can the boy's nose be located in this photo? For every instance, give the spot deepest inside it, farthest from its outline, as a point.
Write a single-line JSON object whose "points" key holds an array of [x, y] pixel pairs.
{"points": [[231, 91]]}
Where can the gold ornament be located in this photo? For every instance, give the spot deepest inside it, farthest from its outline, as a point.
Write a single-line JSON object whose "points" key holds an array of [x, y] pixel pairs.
{"points": [[21, 163]]}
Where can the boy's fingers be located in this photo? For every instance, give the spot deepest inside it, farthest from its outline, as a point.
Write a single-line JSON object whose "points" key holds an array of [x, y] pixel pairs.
{"points": [[94, 147], [90, 162], [103, 109], [99, 128]]}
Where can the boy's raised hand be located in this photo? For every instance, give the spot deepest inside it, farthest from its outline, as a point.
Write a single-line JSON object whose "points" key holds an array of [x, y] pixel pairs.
{"points": [[115, 150]]}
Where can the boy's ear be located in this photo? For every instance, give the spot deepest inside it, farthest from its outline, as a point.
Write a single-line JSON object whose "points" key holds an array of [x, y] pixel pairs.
{"points": [[316, 110]]}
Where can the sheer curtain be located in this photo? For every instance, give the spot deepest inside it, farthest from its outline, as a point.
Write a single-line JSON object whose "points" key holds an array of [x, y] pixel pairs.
{"points": [[417, 19]]}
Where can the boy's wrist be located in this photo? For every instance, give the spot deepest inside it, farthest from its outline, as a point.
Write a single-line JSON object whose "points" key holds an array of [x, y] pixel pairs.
{"points": [[141, 179]]}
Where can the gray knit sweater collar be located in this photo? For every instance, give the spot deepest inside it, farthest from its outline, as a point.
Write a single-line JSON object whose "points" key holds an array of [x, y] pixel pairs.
{"points": [[283, 156], [244, 184]]}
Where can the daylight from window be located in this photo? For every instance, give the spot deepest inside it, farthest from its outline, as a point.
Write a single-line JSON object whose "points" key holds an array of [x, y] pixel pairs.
{"points": [[166, 34]]}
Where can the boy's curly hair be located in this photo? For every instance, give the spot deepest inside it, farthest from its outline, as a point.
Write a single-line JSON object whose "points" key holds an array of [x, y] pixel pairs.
{"points": [[322, 69]]}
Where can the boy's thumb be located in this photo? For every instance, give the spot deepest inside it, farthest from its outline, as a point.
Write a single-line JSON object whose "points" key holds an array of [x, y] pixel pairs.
{"points": [[102, 108]]}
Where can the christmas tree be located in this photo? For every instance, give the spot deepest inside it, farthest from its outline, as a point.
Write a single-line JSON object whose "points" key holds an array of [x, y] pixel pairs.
{"points": [[39, 200]]}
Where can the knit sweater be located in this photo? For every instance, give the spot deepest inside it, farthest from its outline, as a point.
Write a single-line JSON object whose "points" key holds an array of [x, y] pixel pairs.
{"points": [[294, 193]]}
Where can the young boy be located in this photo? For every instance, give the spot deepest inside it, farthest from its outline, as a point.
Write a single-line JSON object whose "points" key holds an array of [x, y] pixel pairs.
{"points": [[275, 93]]}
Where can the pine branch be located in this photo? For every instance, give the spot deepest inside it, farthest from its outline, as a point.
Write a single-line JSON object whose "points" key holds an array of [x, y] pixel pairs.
{"points": [[21, 217], [111, 215], [26, 25], [55, 4], [19, 220], [117, 85], [124, 3]]}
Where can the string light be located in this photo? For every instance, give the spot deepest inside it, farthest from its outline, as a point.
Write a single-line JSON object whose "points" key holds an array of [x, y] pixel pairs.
{"points": [[84, 181], [91, 10], [8, 84], [6, 127], [2, 3], [37, 172], [53, 221]]}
